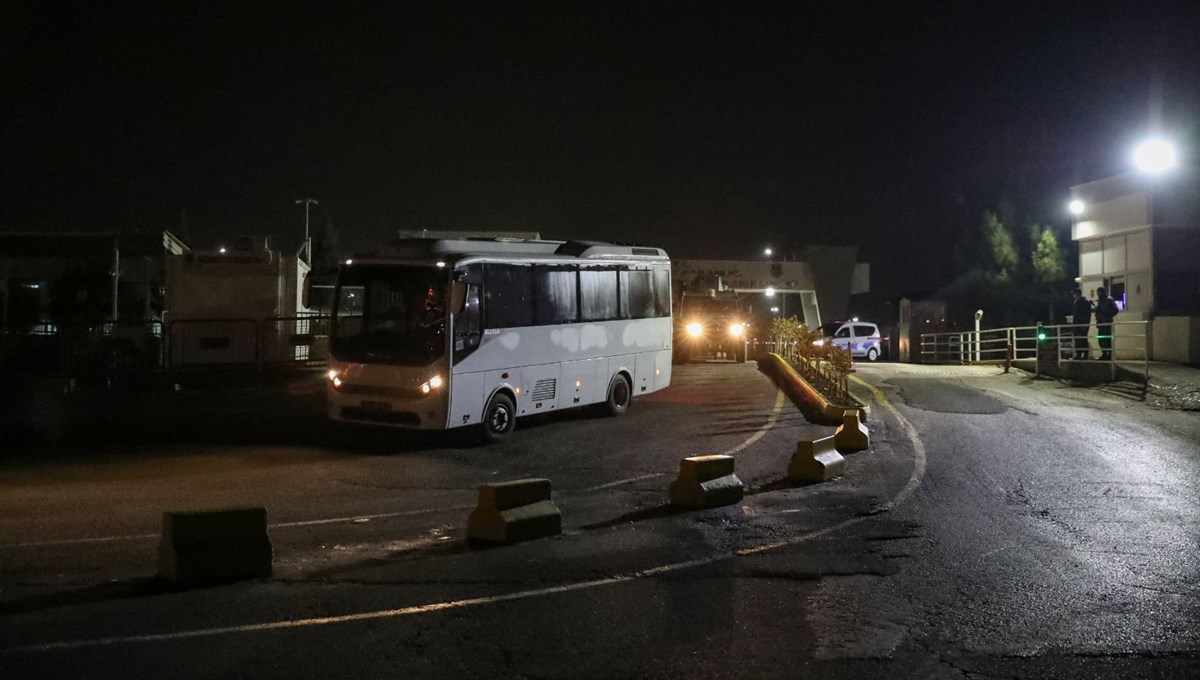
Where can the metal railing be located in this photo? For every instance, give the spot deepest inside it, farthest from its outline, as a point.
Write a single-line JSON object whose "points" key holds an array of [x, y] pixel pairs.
{"points": [[212, 342], [149, 345], [1063, 345], [302, 340], [822, 375], [70, 347]]}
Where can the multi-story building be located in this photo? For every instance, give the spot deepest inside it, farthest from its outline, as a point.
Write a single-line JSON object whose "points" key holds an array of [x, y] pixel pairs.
{"points": [[1139, 237]]}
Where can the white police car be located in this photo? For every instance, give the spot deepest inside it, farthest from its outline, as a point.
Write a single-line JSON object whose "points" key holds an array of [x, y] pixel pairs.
{"points": [[860, 337]]}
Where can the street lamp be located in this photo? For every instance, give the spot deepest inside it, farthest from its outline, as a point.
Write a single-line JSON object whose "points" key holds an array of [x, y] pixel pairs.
{"points": [[767, 252], [308, 203], [1076, 207], [1154, 156]]}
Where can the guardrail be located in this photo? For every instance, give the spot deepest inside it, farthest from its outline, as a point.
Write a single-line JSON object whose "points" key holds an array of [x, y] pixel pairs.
{"points": [[1063, 345]]}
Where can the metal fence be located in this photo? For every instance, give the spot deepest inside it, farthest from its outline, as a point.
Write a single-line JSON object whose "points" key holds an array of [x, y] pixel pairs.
{"points": [[299, 340], [77, 347], [822, 375], [284, 342], [1062, 346], [212, 342]]}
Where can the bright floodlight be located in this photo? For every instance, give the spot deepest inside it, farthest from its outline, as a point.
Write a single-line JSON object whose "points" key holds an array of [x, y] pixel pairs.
{"points": [[767, 252], [1154, 156], [770, 292], [1076, 207]]}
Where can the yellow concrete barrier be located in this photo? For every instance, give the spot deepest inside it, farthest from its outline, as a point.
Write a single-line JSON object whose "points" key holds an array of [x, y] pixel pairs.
{"points": [[514, 511], [816, 461], [839, 413], [705, 482], [214, 546], [852, 435]]}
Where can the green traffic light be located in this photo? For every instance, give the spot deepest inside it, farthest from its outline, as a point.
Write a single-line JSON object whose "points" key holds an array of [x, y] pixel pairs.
{"points": [[1041, 335]]}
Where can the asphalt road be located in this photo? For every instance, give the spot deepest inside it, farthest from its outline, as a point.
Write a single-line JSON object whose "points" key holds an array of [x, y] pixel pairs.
{"points": [[998, 527]]}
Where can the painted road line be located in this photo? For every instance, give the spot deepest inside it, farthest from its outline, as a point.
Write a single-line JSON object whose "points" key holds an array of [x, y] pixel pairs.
{"points": [[779, 396], [359, 518], [352, 519], [619, 482], [913, 483]]}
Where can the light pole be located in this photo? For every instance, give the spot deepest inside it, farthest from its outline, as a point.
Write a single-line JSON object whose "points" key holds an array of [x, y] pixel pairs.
{"points": [[978, 317], [308, 203]]}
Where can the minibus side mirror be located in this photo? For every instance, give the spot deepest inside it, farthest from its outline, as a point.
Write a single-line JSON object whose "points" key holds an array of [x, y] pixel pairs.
{"points": [[458, 296]]}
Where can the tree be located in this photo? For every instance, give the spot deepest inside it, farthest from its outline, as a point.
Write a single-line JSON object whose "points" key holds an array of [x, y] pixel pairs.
{"points": [[1002, 251], [1047, 261], [989, 266]]}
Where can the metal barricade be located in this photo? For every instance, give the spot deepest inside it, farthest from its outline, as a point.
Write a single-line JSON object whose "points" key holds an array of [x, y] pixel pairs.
{"points": [[212, 342], [301, 341]]}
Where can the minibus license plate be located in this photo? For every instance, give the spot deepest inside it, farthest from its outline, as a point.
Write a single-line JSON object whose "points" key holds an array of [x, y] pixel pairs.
{"points": [[376, 406]]}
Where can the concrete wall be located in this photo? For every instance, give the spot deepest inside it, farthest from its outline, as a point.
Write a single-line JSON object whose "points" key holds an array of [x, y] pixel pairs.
{"points": [[1176, 338], [1113, 216]]}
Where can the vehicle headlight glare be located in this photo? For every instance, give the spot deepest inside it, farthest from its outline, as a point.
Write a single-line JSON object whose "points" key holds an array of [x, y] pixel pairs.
{"points": [[431, 384], [694, 329], [736, 330], [332, 374], [818, 343]]}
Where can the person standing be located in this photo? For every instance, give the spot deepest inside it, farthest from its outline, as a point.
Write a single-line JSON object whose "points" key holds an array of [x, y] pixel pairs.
{"points": [[1106, 311], [1081, 318]]}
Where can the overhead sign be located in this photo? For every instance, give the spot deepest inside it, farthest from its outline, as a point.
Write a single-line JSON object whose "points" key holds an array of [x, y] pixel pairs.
{"points": [[784, 277]]}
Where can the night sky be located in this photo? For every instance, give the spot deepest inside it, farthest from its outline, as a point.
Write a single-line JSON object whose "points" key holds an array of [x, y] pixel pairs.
{"points": [[711, 130]]}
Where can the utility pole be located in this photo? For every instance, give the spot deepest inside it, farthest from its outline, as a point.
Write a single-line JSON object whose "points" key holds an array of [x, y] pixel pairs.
{"points": [[308, 203], [116, 277]]}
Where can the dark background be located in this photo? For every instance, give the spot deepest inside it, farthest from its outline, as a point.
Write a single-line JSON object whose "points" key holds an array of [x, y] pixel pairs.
{"points": [[711, 130]]}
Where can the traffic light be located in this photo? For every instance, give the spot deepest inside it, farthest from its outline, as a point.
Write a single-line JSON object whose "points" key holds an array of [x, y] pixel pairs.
{"points": [[1041, 332]]}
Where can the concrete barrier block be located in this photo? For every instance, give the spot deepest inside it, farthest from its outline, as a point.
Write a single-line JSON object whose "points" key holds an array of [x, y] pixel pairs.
{"points": [[816, 461], [706, 482], [852, 435], [862, 413], [514, 511], [214, 546]]}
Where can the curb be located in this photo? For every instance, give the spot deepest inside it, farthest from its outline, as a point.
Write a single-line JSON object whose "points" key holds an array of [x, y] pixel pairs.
{"points": [[804, 394]]}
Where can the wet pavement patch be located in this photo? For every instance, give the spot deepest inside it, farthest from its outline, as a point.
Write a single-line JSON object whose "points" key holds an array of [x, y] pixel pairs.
{"points": [[946, 397]]}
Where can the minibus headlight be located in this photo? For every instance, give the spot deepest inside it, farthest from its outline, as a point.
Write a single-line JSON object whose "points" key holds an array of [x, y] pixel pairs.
{"points": [[694, 329], [431, 384], [736, 330]]}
